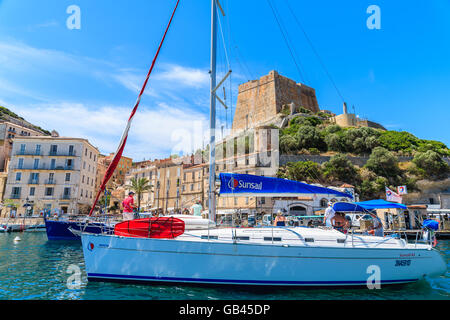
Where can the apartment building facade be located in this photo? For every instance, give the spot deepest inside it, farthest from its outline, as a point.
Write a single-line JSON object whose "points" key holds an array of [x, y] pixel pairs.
{"points": [[119, 176], [9, 131], [148, 171], [179, 183], [194, 185], [55, 174]]}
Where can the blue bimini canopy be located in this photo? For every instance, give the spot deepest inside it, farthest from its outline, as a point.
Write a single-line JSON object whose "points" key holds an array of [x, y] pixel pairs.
{"points": [[381, 204], [244, 185], [348, 207]]}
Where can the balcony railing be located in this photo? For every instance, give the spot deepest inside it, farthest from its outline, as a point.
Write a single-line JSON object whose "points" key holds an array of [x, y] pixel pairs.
{"points": [[15, 196], [66, 197], [33, 181], [62, 154], [29, 153], [45, 167], [50, 182]]}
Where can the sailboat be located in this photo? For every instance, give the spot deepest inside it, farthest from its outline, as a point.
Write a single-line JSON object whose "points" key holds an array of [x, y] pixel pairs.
{"points": [[267, 256]]}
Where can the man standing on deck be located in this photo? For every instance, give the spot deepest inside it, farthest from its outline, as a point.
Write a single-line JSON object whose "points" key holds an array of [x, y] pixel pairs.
{"points": [[329, 214], [128, 207]]}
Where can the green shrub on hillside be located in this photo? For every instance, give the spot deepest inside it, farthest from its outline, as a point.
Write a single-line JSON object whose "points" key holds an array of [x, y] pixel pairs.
{"points": [[385, 164], [359, 141], [307, 171], [288, 144], [398, 141], [429, 165], [309, 137], [340, 168]]}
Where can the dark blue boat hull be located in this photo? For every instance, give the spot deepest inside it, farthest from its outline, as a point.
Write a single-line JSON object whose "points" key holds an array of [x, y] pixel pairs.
{"points": [[59, 230]]}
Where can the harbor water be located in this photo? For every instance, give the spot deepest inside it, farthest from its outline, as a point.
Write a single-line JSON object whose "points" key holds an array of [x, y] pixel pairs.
{"points": [[37, 269]]}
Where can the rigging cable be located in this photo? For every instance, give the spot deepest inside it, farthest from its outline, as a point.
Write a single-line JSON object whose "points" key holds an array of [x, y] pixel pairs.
{"points": [[286, 40], [314, 50]]}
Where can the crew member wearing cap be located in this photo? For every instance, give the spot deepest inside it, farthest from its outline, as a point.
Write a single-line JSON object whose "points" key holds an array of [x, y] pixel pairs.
{"points": [[128, 206]]}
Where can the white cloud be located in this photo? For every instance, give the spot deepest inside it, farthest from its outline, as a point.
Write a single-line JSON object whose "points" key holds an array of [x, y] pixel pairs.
{"points": [[179, 75], [155, 133], [172, 118]]}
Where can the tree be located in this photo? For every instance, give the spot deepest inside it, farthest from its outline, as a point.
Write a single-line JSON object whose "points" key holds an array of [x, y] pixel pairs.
{"points": [[335, 142], [361, 140], [383, 163], [398, 141], [309, 137], [303, 171], [430, 165], [288, 144], [139, 186], [436, 146], [340, 168]]}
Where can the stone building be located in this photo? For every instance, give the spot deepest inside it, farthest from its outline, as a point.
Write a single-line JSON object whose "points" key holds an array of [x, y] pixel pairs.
{"points": [[9, 131], [125, 164], [52, 173], [347, 120], [194, 186], [261, 101], [147, 170], [165, 177]]}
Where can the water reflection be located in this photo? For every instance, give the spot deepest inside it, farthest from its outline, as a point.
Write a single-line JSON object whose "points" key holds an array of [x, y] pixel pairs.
{"points": [[35, 268]]}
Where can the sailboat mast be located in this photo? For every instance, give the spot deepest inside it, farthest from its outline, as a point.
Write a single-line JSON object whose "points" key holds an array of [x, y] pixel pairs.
{"points": [[212, 144]]}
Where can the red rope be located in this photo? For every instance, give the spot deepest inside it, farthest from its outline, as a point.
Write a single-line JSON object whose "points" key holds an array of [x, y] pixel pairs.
{"points": [[113, 165]]}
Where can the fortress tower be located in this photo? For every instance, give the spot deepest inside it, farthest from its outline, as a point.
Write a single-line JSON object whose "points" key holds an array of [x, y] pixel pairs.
{"points": [[261, 101]]}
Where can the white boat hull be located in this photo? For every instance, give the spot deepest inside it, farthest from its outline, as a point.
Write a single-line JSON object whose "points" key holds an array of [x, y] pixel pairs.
{"points": [[111, 258]]}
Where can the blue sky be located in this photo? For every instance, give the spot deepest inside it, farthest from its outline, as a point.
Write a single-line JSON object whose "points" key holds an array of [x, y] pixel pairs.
{"points": [[84, 82]]}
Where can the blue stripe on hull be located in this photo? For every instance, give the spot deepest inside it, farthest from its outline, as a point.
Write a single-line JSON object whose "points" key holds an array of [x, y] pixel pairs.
{"points": [[99, 276], [59, 230]]}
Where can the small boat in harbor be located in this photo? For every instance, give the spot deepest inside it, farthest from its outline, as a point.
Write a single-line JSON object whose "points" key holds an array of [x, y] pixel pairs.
{"points": [[69, 229]]}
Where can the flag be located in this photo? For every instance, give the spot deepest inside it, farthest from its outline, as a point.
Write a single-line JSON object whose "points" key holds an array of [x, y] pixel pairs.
{"points": [[392, 196], [123, 141], [402, 190]]}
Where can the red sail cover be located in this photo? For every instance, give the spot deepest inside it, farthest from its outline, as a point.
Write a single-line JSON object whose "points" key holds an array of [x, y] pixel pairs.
{"points": [[158, 228], [113, 165]]}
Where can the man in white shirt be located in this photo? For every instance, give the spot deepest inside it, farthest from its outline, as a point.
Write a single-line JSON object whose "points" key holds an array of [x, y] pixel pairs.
{"points": [[329, 213]]}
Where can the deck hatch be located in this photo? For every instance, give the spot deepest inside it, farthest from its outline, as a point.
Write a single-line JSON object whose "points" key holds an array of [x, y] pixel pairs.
{"points": [[210, 238], [271, 239], [242, 238]]}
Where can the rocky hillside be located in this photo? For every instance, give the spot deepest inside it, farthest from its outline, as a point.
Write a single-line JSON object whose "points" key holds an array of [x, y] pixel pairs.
{"points": [[315, 135], [8, 115]]}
